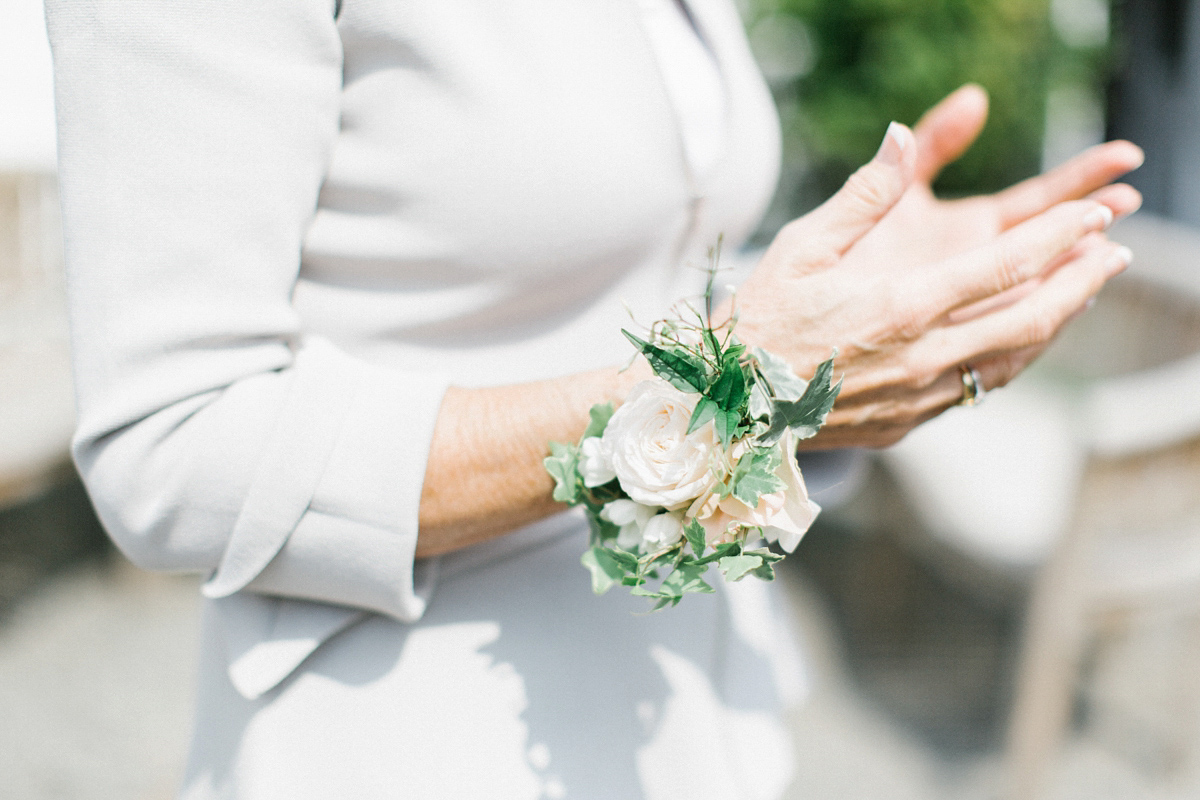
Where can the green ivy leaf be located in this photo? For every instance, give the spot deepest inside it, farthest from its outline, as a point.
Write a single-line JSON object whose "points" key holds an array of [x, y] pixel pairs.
{"points": [[600, 414], [684, 371], [785, 383], [766, 572], [766, 555], [686, 579], [628, 561], [605, 570], [694, 532], [602, 529], [806, 415], [562, 464], [736, 567], [754, 475], [721, 551]]}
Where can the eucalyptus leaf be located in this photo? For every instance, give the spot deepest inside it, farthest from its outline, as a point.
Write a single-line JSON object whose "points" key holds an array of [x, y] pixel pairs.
{"points": [[682, 369], [736, 567], [806, 415], [605, 571]]}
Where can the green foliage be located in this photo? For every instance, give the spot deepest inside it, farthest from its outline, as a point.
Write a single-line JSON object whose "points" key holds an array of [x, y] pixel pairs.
{"points": [[604, 568], [750, 396], [806, 415], [873, 61], [600, 415], [676, 365], [736, 567], [781, 381], [754, 475], [563, 466], [694, 532]]}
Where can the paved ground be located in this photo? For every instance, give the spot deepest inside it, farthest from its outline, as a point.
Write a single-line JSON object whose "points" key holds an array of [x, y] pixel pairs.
{"points": [[95, 683]]}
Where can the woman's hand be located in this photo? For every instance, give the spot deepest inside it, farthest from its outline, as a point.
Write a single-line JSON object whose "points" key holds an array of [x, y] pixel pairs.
{"points": [[921, 228], [889, 275], [909, 289]]}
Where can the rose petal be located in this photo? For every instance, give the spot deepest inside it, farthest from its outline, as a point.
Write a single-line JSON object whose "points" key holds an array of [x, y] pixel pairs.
{"points": [[662, 531], [594, 464]]}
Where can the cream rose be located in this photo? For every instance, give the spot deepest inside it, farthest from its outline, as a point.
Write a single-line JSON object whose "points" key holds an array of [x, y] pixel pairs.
{"points": [[784, 516], [656, 461]]}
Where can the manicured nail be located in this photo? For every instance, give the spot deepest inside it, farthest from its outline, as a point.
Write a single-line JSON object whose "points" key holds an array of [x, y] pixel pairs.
{"points": [[1133, 210], [1121, 258], [892, 149], [1098, 219]]}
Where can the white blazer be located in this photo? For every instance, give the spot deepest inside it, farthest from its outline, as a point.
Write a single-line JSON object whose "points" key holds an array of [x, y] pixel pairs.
{"points": [[290, 224]]}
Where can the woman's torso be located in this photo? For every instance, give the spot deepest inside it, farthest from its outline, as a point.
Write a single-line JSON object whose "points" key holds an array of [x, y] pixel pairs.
{"points": [[508, 177]]}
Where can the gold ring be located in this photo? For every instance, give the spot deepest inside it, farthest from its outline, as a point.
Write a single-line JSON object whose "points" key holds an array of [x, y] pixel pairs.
{"points": [[972, 384]]}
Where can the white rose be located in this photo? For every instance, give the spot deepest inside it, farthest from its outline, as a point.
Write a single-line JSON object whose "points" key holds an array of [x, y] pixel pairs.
{"points": [[594, 463], [656, 460], [661, 531], [631, 518]]}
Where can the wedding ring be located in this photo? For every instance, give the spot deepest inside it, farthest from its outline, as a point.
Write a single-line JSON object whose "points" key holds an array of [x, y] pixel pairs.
{"points": [[972, 383]]}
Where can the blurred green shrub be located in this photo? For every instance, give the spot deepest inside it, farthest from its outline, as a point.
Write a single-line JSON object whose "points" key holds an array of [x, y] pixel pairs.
{"points": [[842, 69]]}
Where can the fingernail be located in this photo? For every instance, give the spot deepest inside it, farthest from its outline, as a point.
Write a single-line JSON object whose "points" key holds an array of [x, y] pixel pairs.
{"points": [[1133, 210], [892, 149], [1121, 258], [1098, 219]]}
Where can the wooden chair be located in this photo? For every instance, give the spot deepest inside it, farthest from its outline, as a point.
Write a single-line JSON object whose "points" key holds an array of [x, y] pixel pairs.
{"points": [[1132, 548]]}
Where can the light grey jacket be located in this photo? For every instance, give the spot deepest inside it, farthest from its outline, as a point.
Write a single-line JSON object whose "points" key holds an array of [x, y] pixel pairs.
{"points": [[291, 224]]}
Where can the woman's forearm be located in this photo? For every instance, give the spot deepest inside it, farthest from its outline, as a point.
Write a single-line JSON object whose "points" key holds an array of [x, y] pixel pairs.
{"points": [[485, 477]]}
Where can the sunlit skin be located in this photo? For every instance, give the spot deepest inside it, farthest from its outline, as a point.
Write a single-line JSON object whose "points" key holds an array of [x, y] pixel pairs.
{"points": [[907, 286]]}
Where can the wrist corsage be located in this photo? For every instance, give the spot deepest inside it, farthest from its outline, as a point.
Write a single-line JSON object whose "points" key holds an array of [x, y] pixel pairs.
{"points": [[698, 464]]}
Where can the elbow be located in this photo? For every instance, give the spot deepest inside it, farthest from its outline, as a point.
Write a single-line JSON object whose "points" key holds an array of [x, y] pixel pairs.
{"points": [[145, 497]]}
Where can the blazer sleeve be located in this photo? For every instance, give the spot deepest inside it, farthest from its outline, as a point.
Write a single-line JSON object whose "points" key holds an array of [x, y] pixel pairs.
{"points": [[214, 433]]}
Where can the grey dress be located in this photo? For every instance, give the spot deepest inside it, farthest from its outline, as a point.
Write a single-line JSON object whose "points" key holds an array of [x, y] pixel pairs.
{"points": [[290, 225]]}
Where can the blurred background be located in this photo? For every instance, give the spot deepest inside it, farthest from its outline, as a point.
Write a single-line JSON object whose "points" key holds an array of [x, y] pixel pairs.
{"points": [[1005, 605]]}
